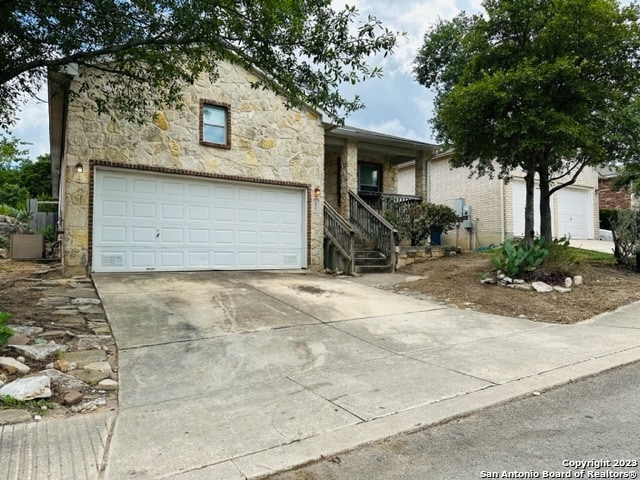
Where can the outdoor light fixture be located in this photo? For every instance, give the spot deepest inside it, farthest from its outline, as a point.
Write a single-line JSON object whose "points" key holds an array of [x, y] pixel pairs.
{"points": [[316, 192], [79, 168]]}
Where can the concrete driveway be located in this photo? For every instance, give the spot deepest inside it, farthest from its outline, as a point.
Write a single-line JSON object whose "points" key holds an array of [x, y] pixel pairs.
{"points": [[233, 375]]}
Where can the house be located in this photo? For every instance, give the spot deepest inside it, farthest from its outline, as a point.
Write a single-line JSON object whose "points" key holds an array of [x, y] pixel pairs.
{"points": [[609, 198], [493, 209], [234, 181]]}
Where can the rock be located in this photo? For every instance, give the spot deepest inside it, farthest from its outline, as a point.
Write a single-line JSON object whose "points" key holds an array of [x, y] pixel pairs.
{"points": [[82, 357], [13, 416], [4, 253], [48, 335], [63, 382], [52, 301], [542, 287], [488, 280], [108, 384], [101, 330], [568, 283], [560, 289], [518, 281], [88, 342], [61, 365], [28, 388], [18, 339], [64, 310], [40, 352], [91, 377], [73, 397], [85, 301], [8, 363], [507, 280], [577, 280], [104, 367], [25, 330]]}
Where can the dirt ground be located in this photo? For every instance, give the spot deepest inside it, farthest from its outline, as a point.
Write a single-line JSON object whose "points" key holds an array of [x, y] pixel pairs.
{"points": [[455, 281]]}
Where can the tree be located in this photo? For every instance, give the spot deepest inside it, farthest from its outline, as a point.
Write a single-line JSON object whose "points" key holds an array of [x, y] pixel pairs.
{"points": [[35, 177], [546, 86], [147, 50]]}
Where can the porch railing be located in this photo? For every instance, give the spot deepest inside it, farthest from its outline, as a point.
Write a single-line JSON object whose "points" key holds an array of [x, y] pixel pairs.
{"points": [[341, 236], [395, 202], [373, 227]]}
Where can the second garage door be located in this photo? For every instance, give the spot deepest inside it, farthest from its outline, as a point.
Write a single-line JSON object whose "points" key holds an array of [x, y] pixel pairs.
{"points": [[152, 222]]}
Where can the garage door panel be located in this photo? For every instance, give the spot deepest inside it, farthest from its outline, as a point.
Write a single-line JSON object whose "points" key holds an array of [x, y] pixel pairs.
{"points": [[574, 213], [146, 221]]}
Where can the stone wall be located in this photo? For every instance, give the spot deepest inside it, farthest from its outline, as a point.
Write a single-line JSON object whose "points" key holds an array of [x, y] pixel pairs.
{"points": [[268, 142]]}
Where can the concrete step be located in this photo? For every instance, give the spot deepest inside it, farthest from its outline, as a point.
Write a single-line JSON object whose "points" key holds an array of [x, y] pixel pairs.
{"points": [[373, 268]]}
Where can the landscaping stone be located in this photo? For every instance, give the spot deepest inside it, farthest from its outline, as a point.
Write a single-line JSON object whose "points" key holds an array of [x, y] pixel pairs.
{"points": [[560, 289], [85, 301], [104, 367], [13, 415], [63, 382], [28, 388], [25, 330], [91, 377], [487, 280], [11, 366], [577, 280], [523, 286], [18, 339], [73, 397], [108, 384], [568, 282], [542, 287], [61, 365], [87, 342], [40, 352], [82, 357]]}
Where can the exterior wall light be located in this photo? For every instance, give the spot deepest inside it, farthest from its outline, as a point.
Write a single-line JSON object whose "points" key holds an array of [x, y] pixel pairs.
{"points": [[316, 192], [79, 168]]}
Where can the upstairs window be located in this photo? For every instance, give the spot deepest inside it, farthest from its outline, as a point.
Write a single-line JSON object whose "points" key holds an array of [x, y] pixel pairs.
{"points": [[214, 124], [369, 177]]}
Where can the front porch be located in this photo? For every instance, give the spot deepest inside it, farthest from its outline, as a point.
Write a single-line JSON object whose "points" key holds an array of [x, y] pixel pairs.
{"points": [[361, 183]]}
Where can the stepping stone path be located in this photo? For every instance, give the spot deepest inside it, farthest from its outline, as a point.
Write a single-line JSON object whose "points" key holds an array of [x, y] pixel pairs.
{"points": [[63, 361]]}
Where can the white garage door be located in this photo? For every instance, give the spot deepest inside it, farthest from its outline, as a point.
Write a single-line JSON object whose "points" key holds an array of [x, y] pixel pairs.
{"points": [[153, 222], [574, 213]]}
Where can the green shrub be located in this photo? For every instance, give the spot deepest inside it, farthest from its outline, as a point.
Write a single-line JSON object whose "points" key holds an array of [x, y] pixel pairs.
{"points": [[516, 259], [560, 262], [48, 233], [625, 227], [4, 242], [5, 332], [418, 220]]}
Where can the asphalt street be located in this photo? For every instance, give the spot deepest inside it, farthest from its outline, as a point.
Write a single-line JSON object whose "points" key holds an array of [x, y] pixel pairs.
{"points": [[586, 429]]}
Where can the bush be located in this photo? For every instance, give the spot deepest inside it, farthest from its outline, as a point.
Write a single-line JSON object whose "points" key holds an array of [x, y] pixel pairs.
{"points": [[48, 233], [516, 259], [560, 262], [417, 221], [5, 332], [625, 228]]}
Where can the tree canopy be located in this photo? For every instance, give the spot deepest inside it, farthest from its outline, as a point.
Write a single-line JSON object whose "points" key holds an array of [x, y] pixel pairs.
{"points": [[547, 86], [305, 48], [20, 178]]}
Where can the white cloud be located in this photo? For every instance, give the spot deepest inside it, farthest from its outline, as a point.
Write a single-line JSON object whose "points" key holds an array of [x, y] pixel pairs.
{"points": [[33, 125]]}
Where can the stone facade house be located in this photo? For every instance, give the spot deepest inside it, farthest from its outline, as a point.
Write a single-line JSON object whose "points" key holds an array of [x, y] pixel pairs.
{"points": [[234, 181], [493, 209]]}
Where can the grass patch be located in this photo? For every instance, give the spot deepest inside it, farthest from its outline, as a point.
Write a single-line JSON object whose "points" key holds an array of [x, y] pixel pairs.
{"points": [[38, 406], [592, 257]]}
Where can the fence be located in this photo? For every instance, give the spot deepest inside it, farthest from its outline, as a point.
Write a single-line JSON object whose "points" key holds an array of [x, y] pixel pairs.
{"points": [[39, 220]]}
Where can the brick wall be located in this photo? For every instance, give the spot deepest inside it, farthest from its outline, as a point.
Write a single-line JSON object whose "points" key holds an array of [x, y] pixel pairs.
{"points": [[611, 199]]}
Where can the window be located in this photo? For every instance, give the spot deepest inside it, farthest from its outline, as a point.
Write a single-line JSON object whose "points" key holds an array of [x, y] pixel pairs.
{"points": [[214, 124], [369, 177]]}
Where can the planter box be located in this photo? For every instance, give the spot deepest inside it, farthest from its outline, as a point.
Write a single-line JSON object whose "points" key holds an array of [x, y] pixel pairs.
{"points": [[408, 255], [27, 247]]}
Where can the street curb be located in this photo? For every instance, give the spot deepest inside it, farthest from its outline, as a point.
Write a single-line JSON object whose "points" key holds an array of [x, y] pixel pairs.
{"points": [[286, 457]]}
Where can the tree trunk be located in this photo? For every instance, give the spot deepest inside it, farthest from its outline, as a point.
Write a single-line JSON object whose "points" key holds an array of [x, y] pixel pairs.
{"points": [[545, 203], [529, 228]]}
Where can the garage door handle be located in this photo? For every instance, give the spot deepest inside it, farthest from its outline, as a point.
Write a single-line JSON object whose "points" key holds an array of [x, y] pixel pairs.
{"points": [[157, 233]]}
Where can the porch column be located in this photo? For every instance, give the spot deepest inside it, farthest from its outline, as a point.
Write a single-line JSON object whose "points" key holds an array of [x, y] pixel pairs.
{"points": [[348, 175], [421, 175]]}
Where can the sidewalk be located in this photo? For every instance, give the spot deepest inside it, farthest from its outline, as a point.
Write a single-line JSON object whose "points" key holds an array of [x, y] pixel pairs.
{"points": [[313, 377]]}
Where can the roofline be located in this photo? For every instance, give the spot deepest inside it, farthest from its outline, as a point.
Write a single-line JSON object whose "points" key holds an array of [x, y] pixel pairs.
{"points": [[345, 131]]}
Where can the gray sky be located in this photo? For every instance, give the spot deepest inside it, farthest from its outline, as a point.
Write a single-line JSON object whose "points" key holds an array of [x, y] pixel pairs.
{"points": [[395, 104]]}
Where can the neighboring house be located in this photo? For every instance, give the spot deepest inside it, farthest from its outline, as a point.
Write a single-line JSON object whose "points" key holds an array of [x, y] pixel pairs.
{"points": [[497, 207], [607, 196], [234, 181]]}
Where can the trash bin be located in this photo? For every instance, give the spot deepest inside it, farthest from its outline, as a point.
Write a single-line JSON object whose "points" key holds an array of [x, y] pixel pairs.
{"points": [[436, 237]]}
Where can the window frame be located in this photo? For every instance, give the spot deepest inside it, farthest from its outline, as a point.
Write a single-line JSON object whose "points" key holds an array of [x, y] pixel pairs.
{"points": [[380, 185], [227, 111]]}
